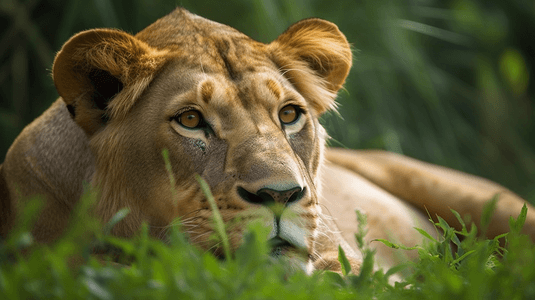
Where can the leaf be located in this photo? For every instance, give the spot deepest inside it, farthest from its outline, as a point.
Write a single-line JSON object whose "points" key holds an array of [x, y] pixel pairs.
{"points": [[24, 240], [461, 221], [462, 257], [443, 224], [346, 267], [366, 270], [335, 278], [361, 230], [513, 69], [496, 238], [96, 289], [516, 224], [169, 169], [455, 239], [395, 246], [425, 234], [396, 269], [121, 214], [218, 220], [488, 211]]}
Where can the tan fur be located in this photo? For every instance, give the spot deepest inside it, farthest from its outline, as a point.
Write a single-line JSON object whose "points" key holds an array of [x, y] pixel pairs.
{"points": [[120, 101], [310, 48], [436, 188]]}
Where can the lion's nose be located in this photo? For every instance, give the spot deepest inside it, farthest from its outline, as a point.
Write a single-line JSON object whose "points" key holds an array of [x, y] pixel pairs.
{"points": [[267, 196]]}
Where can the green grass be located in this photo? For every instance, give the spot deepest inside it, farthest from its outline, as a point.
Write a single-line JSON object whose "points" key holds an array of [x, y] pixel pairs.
{"points": [[475, 269]]}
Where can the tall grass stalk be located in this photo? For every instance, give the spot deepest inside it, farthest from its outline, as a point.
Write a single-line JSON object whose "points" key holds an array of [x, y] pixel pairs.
{"points": [[218, 220]]}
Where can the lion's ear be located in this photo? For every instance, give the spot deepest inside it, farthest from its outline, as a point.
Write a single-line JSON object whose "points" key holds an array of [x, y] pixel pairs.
{"points": [[100, 73], [316, 57]]}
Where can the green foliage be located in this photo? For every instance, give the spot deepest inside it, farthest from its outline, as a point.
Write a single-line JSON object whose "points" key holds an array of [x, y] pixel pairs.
{"points": [[218, 220], [346, 267], [474, 269]]}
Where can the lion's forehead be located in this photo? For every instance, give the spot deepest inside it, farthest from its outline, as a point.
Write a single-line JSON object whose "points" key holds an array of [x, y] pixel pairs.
{"points": [[256, 92], [254, 99], [219, 48], [223, 68]]}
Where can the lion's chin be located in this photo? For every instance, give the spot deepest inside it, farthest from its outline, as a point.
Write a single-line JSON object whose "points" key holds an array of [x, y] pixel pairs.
{"points": [[295, 258]]}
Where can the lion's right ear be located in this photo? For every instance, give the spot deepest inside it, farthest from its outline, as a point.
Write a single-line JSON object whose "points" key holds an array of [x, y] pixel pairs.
{"points": [[100, 73]]}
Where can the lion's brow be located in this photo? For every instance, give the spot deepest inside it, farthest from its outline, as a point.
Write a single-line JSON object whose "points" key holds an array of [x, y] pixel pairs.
{"points": [[206, 90], [274, 88]]}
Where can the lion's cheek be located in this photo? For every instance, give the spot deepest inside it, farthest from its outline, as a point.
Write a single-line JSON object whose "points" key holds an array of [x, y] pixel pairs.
{"points": [[164, 204]]}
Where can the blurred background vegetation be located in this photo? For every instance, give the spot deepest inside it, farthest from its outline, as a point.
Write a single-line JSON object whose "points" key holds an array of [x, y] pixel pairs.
{"points": [[448, 82]]}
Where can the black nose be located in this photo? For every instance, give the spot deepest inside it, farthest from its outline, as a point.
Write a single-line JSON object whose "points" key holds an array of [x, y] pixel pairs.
{"points": [[268, 196]]}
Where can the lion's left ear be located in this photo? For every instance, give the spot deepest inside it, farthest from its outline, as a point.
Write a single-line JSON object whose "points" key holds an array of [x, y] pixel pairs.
{"points": [[316, 57]]}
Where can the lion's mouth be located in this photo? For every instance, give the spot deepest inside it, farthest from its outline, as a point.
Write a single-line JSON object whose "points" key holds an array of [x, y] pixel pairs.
{"points": [[280, 247], [295, 258]]}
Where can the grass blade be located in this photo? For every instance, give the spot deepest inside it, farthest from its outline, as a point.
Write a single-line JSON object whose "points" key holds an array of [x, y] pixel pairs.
{"points": [[219, 225], [172, 181], [346, 267]]}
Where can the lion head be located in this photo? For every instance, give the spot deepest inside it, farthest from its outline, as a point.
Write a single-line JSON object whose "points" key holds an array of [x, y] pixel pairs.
{"points": [[241, 114]]}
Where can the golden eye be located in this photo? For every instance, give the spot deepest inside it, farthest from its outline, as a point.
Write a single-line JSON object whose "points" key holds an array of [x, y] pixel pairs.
{"points": [[289, 114], [190, 119]]}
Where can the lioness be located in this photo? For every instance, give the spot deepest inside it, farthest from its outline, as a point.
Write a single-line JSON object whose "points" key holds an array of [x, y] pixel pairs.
{"points": [[244, 116]]}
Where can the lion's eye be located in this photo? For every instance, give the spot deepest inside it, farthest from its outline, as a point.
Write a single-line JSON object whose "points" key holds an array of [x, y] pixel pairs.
{"points": [[190, 119], [289, 114]]}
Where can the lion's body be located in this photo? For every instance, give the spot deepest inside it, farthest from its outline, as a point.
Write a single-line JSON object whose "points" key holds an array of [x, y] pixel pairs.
{"points": [[51, 159], [244, 116]]}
